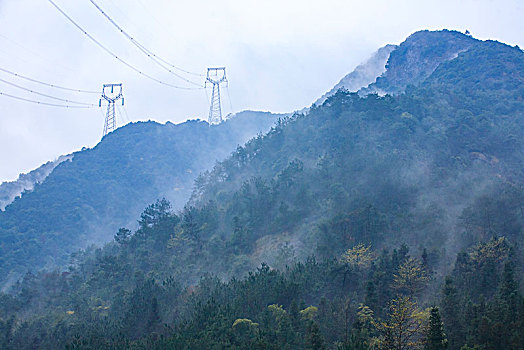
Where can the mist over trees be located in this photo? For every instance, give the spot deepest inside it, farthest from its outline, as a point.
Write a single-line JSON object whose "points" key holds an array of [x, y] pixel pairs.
{"points": [[371, 222], [84, 201]]}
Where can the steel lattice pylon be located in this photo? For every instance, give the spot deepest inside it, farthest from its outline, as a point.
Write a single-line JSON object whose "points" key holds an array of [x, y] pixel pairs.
{"points": [[111, 98], [216, 76]]}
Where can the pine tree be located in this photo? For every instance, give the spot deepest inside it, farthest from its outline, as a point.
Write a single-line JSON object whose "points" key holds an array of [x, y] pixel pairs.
{"points": [[153, 319], [314, 340], [122, 236], [450, 312], [509, 288], [435, 338], [506, 310]]}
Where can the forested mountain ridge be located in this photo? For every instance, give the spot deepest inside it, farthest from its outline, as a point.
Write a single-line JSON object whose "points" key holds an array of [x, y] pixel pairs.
{"points": [[417, 58], [392, 68], [440, 147], [9, 190], [363, 75], [389, 222], [85, 200]]}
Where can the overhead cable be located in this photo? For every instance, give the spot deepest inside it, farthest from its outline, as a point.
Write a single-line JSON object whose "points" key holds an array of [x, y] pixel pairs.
{"points": [[47, 84], [114, 55], [35, 54], [155, 58], [146, 8], [45, 95], [40, 102], [229, 98]]}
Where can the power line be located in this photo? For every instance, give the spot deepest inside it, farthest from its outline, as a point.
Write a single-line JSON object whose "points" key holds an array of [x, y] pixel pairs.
{"points": [[40, 102], [146, 8], [142, 48], [127, 115], [114, 55], [47, 84], [102, 113], [229, 98], [121, 116], [36, 54], [45, 95]]}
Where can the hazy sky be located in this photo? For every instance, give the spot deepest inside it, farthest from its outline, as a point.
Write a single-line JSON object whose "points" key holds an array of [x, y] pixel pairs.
{"points": [[280, 56]]}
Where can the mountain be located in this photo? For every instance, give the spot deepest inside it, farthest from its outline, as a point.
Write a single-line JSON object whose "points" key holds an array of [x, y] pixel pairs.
{"points": [[392, 68], [419, 163], [86, 199], [339, 228], [9, 190], [417, 58], [363, 75]]}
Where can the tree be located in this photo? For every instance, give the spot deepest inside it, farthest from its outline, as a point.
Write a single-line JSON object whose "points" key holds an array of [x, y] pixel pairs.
{"points": [[361, 330], [314, 340], [191, 227], [425, 263], [122, 236], [359, 256], [509, 288], [239, 237], [410, 277], [245, 330], [154, 318], [404, 328], [450, 312], [154, 213], [435, 338]]}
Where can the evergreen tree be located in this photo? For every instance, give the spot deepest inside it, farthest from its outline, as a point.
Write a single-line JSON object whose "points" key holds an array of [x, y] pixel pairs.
{"points": [[435, 338], [122, 236], [450, 311], [314, 340], [154, 316]]}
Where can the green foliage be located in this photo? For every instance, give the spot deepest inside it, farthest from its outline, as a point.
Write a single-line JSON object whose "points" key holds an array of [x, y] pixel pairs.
{"points": [[439, 167], [309, 313], [404, 326], [435, 337], [101, 189], [122, 236], [410, 277], [359, 255]]}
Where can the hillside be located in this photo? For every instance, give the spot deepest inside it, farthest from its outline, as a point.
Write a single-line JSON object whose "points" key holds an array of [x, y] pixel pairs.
{"points": [[84, 201], [363, 75], [419, 162], [418, 57], [370, 221], [9, 190]]}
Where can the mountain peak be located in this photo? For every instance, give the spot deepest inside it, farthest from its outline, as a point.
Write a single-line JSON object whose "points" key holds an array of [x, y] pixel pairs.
{"points": [[392, 68], [363, 75], [417, 57]]}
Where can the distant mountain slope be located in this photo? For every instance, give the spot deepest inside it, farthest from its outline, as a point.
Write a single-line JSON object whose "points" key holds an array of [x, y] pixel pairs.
{"points": [[392, 68], [420, 163], [417, 57], [86, 200], [363, 75], [9, 190]]}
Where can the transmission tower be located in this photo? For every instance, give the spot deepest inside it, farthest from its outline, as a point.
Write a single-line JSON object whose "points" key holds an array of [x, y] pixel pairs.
{"points": [[111, 98], [215, 76]]}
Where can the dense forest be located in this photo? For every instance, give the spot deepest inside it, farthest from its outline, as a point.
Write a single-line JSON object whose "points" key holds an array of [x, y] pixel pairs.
{"points": [[83, 201], [371, 222]]}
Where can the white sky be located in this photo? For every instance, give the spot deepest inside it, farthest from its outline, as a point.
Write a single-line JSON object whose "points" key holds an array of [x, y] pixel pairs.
{"points": [[280, 56]]}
